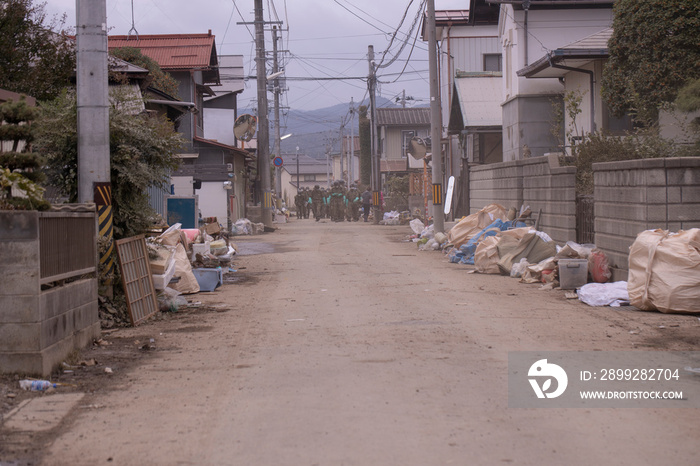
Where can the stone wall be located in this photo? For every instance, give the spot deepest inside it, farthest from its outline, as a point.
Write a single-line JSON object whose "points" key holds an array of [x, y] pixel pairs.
{"points": [[39, 329], [637, 195]]}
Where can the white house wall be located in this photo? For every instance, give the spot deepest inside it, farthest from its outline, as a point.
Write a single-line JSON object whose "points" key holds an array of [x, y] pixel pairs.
{"points": [[213, 200], [580, 82], [218, 125], [527, 103], [466, 45], [182, 185], [547, 30]]}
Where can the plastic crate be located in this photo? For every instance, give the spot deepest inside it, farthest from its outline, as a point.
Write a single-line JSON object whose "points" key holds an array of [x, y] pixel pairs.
{"points": [[573, 273]]}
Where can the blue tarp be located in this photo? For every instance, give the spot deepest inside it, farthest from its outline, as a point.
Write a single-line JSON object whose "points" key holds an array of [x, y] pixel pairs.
{"points": [[465, 254]]}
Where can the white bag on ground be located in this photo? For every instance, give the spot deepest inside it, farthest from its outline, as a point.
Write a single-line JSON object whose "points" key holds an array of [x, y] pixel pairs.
{"points": [[664, 271], [604, 294], [416, 225]]}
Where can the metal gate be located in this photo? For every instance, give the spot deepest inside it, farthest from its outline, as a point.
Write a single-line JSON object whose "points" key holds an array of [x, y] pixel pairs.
{"points": [[585, 220]]}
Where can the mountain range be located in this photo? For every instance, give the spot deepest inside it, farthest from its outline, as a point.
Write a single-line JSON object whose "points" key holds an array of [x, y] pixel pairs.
{"points": [[317, 132]]}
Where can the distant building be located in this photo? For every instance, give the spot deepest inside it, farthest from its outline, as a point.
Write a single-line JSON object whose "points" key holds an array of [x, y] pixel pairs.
{"points": [[308, 173]]}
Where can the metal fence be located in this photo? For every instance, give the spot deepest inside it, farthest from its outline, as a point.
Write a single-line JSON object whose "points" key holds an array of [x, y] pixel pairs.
{"points": [[67, 245], [585, 220]]}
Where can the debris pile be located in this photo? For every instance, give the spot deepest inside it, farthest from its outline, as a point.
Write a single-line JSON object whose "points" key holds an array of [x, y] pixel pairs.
{"points": [[664, 267]]}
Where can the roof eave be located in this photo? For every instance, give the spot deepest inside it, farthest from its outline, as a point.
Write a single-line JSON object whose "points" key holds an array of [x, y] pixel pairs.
{"points": [[558, 56]]}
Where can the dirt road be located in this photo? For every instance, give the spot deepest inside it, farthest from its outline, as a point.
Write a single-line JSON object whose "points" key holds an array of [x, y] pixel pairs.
{"points": [[342, 344]]}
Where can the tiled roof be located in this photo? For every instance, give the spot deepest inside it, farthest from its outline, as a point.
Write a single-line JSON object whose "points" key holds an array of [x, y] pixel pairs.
{"points": [[403, 116], [598, 40], [307, 165], [173, 51]]}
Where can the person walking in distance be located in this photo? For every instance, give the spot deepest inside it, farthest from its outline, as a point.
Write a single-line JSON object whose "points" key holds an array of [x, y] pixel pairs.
{"points": [[366, 202], [316, 201]]}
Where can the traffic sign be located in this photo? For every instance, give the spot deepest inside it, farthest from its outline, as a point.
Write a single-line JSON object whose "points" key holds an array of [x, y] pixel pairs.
{"points": [[278, 161]]}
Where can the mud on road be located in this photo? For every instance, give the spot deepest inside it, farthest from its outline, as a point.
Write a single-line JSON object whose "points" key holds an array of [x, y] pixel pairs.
{"points": [[344, 344]]}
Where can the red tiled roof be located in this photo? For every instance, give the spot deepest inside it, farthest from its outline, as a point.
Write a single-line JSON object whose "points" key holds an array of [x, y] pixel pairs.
{"points": [[172, 51]]}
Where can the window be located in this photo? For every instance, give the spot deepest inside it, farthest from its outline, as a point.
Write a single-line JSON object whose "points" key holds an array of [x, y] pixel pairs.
{"points": [[493, 62], [309, 177], [614, 125]]}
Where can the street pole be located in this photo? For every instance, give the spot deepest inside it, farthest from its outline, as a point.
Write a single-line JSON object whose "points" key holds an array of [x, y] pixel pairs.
{"points": [[375, 179], [351, 169], [298, 170], [278, 141], [435, 122], [263, 124], [94, 181], [342, 150]]}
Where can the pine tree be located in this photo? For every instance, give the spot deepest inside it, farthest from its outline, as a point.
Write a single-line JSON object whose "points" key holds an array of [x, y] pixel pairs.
{"points": [[21, 168]]}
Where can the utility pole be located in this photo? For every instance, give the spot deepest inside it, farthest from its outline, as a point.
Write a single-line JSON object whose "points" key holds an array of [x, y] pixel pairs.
{"points": [[351, 168], [342, 149], [376, 180], [435, 122], [263, 124], [94, 182], [276, 90]]}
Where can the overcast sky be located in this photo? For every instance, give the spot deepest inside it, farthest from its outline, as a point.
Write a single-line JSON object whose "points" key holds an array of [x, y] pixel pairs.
{"points": [[324, 39]]}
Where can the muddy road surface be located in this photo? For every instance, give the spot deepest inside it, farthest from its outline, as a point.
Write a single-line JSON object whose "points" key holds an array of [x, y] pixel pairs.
{"points": [[342, 344]]}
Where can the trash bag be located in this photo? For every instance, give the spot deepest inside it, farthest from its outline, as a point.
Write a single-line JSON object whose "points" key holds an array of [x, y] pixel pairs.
{"points": [[183, 269], [533, 247], [573, 250], [416, 225], [171, 236], [474, 223], [664, 271], [598, 266], [486, 255], [516, 271], [604, 294]]}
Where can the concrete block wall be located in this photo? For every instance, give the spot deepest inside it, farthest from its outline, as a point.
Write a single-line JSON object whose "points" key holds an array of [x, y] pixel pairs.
{"points": [[538, 182], [496, 183], [552, 188], [637, 195], [38, 329]]}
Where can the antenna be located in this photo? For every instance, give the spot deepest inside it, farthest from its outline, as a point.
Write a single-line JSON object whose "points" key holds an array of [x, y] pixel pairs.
{"points": [[133, 25]]}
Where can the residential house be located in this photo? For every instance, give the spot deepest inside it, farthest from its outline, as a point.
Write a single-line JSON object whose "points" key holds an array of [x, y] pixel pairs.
{"points": [[579, 67], [395, 129], [526, 29], [469, 48], [213, 170], [302, 171]]}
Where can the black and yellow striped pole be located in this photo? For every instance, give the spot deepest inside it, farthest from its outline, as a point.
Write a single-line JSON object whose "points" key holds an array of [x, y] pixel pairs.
{"points": [[103, 202], [437, 193]]}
